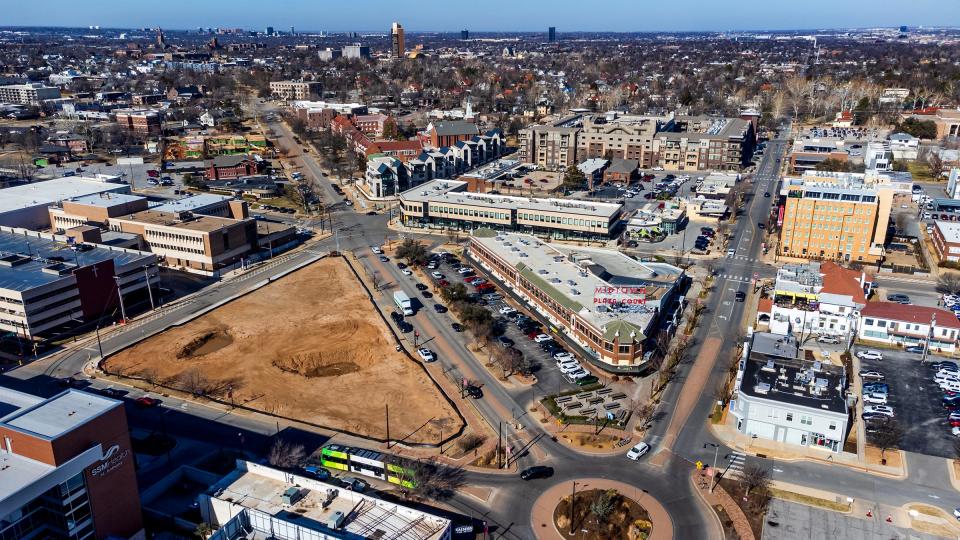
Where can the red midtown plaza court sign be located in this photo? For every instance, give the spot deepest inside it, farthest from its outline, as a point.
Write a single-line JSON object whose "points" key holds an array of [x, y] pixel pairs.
{"points": [[619, 295]]}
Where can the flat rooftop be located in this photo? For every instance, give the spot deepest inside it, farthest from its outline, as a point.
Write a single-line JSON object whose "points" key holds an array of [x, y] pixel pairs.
{"points": [[199, 223], [12, 401], [190, 204], [450, 191], [797, 382], [573, 275], [366, 516], [60, 414], [106, 199], [51, 191], [29, 259]]}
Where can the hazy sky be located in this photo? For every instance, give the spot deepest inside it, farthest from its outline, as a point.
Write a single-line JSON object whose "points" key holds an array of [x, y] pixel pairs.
{"points": [[447, 15]]}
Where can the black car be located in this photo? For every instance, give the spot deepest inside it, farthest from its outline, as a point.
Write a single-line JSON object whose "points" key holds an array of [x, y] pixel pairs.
{"points": [[405, 327], [761, 225], [504, 341], [440, 308], [474, 391], [457, 327], [427, 294], [371, 213], [401, 266], [537, 471], [707, 230], [397, 317], [766, 194], [421, 287], [741, 296]]}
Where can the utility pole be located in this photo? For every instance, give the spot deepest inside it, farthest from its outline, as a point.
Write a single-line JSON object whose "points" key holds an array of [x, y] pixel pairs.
{"points": [[499, 442], [926, 343], [123, 311], [146, 272], [387, 408]]}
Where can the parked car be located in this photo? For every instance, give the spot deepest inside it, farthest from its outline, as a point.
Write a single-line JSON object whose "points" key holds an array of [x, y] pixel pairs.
{"points": [[506, 310], [869, 354], [898, 298], [426, 354], [439, 308], [436, 275], [474, 391], [881, 388], [741, 296], [875, 399], [537, 471], [504, 341], [570, 367], [885, 410], [540, 338], [638, 451], [421, 287], [917, 349], [584, 381], [828, 339], [457, 327], [406, 272], [871, 374]]}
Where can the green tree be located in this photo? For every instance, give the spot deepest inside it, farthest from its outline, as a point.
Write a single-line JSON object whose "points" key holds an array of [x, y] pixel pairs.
{"points": [[390, 130], [412, 251], [574, 178], [924, 129], [456, 292]]}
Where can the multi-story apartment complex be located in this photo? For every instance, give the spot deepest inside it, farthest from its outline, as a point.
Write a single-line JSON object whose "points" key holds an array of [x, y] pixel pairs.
{"points": [[398, 45], [449, 133], [356, 52], [256, 501], [815, 299], [685, 143], [835, 217], [302, 90], [610, 305], [28, 94], [67, 468], [142, 121], [447, 204], [44, 284], [782, 397]]}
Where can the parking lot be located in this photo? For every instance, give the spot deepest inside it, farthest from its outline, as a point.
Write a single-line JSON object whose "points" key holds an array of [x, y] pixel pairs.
{"points": [[549, 377], [916, 401]]}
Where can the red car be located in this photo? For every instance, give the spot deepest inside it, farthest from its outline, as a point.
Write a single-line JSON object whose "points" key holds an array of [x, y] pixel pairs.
{"points": [[534, 333], [147, 401], [485, 288], [443, 283], [955, 423]]}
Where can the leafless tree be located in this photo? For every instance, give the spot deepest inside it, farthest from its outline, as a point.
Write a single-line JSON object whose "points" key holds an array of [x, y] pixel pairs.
{"points": [[286, 455], [949, 282], [470, 441], [887, 435]]}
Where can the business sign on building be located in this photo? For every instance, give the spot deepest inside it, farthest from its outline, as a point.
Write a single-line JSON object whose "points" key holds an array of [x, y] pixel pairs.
{"points": [[619, 296]]}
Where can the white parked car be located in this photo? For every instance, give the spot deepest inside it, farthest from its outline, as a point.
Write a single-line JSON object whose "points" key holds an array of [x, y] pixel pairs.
{"points": [[426, 354], [570, 367], [869, 354], [573, 376], [436, 275], [377, 250], [638, 451], [406, 272], [875, 398], [561, 356], [885, 410], [465, 270], [956, 433], [540, 338], [506, 310]]}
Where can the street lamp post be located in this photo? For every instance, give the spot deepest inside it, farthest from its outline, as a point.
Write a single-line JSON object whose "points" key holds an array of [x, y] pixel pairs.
{"points": [[716, 453], [926, 342], [573, 502], [123, 311]]}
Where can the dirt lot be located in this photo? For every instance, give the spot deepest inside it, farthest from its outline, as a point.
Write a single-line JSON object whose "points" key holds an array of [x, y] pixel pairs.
{"points": [[308, 346]]}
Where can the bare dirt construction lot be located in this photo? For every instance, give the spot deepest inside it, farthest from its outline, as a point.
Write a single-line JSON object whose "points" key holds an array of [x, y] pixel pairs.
{"points": [[308, 346]]}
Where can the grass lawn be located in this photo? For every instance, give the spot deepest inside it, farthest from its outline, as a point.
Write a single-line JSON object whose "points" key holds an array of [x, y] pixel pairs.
{"points": [[920, 171], [809, 501]]}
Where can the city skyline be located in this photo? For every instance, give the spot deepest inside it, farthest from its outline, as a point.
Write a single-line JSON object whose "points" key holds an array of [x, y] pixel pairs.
{"points": [[700, 15]]}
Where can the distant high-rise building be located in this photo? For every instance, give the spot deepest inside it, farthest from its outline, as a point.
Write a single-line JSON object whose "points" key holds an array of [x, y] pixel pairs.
{"points": [[903, 29], [161, 40], [269, 31], [552, 34], [356, 51], [396, 32], [464, 35], [293, 31]]}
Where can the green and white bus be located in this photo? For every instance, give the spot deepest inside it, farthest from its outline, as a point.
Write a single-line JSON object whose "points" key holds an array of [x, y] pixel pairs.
{"points": [[366, 462]]}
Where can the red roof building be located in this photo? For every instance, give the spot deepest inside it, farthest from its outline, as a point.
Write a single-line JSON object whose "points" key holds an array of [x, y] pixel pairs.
{"points": [[897, 324]]}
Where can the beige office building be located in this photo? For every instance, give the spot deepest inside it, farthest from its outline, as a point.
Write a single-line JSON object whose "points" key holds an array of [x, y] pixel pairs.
{"points": [[398, 45], [550, 147], [445, 204], [840, 219]]}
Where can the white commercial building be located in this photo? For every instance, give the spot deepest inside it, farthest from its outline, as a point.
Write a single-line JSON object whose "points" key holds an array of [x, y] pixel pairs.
{"points": [[256, 501], [28, 94], [782, 397]]}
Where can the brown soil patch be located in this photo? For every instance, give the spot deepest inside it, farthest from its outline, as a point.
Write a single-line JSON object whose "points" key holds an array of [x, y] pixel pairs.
{"points": [[309, 346], [626, 519], [893, 457], [590, 440]]}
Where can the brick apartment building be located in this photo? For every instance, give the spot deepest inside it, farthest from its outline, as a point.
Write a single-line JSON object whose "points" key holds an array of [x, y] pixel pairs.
{"points": [[143, 121], [228, 167], [946, 240], [449, 133], [66, 468]]}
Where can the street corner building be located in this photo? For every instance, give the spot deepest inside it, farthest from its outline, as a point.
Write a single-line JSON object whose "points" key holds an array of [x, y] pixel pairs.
{"points": [[612, 307], [66, 468], [781, 396]]}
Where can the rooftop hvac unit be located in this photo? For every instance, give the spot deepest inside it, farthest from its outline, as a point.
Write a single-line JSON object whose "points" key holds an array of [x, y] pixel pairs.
{"points": [[762, 388]]}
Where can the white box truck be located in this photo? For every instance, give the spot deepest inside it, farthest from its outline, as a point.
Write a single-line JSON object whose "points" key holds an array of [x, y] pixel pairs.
{"points": [[403, 302]]}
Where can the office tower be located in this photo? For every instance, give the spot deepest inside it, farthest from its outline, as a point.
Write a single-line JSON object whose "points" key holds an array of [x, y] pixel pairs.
{"points": [[464, 35], [396, 33], [552, 34]]}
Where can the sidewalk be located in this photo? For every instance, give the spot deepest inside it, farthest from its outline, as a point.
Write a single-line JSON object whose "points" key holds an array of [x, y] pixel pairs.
{"points": [[726, 433]]}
